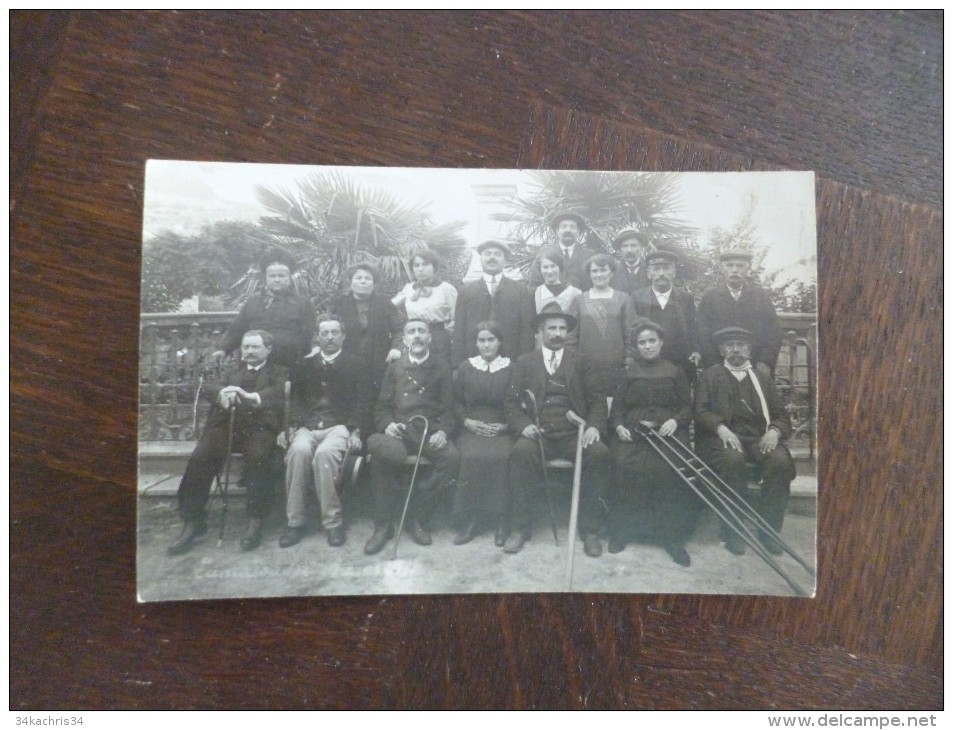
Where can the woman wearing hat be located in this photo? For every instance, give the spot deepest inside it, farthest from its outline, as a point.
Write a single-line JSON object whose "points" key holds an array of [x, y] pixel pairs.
{"points": [[604, 315], [649, 500], [551, 265], [373, 324], [289, 318], [430, 299]]}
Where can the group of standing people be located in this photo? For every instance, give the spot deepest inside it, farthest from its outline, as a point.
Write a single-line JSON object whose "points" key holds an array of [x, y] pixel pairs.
{"points": [[490, 382]]}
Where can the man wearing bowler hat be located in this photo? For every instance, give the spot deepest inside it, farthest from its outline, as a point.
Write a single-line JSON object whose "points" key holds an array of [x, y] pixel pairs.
{"points": [[740, 429], [559, 383], [738, 303], [493, 297], [633, 246], [569, 228], [672, 308]]}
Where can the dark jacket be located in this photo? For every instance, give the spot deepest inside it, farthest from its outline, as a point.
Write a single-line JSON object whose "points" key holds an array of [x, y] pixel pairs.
{"points": [[718, 401], [385, 325], [269, 383], [342, 385], [530, 373], [289, 319], [411, 390], [753, 311], [511, 306], [624, 281], [677, 319]]}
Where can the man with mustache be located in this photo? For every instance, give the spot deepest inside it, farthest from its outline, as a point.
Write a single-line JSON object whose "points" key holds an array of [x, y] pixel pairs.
{"points": [[560, 383], [672, 308], [255, 390], [739, 303], [741, 424], [418, 384], [569, 228], [633, 246]]}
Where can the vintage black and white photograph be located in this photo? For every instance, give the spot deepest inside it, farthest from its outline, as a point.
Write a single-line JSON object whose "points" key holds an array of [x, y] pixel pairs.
{"points": [[361, 381]]}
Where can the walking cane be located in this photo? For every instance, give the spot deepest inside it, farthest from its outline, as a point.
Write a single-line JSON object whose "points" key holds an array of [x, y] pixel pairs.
{"points": [[413, 478], [576, 488], [531, 399], [226, 468], [287, 424]]}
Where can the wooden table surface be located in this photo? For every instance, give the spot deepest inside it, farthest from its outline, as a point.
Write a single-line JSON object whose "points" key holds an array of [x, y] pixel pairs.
{"points": [[855, 96]]}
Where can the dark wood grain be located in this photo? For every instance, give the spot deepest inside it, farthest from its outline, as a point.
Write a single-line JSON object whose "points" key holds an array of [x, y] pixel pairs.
{"points": [[855, 96]]}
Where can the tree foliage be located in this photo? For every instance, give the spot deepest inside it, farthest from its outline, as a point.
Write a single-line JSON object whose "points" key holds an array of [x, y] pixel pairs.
{"points": [[329, 223], [608, 202], [177, 266]]}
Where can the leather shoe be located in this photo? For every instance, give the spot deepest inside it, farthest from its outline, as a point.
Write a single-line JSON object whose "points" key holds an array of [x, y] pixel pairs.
{"points": [[420, 534], [290, 536], [190, 531], [466, 534], [499, 539], [735, 545], [382, 533], [679, 554], [336, 536], [514, 543], [616, 545], [252, 537], [770, 544], [592, 545]]}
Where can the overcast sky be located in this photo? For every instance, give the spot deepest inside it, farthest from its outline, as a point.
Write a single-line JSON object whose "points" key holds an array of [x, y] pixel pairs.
{"points": [[184, 196]]}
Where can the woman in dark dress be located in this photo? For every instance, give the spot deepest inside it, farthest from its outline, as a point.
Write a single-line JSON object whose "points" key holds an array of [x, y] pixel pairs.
{"points": [[483, 441], [650, 501], [374, 326]]}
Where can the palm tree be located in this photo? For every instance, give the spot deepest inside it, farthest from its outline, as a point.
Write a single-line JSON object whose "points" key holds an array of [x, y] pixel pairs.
{"points": [[609, 202], [331, 223]]}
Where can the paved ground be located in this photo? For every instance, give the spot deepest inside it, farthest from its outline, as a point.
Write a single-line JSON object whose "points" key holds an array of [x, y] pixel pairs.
{"points": [[314, 568]]}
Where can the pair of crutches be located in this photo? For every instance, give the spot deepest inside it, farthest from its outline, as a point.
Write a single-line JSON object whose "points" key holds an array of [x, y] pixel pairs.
{"points": [[730, 507], [531, 404]]}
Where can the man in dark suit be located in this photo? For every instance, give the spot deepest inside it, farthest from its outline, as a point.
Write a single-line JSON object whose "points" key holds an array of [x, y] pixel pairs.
{"points": [[418, 384], [493, 297], [632, 274], [741, 422], [255, 390], [738, 303], [329, 394], [569, 228], [673, 309], [558, 380]]}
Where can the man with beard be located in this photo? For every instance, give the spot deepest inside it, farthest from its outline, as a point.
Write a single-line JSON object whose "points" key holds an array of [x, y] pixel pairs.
{"points": [[673, 309], [559, 383], [739, 303], [568, 228], [633, 245], [255, 390], [741, 423], [417, 384], [278, 310], [493, 297], [329, 393]]}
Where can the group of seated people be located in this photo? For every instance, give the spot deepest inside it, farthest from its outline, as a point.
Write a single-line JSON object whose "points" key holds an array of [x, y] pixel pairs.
{"points": [[490, 382]]}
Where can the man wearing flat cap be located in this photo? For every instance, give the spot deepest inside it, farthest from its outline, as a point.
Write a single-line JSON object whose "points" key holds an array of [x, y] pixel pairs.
{"points": [[741, 427], [493, 297], [559, 384], [672, 308], [569, 228], [738, 303], [633, 246]]}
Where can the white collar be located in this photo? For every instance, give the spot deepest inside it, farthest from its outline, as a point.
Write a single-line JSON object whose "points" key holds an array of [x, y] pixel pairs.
{"points": [[497, 363], [662, 296], [548, 354], [255, 368], [415, 361], [331, 358], [488, 278]]}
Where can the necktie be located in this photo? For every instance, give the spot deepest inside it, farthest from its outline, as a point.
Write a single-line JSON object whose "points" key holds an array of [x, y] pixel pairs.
{"points": [[568, 254], [552, 363], [492, 285]]}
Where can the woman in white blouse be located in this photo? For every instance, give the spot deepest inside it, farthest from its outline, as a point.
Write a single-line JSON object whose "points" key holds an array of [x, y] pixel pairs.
{"points": [[430, 299], [552, 266]]}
